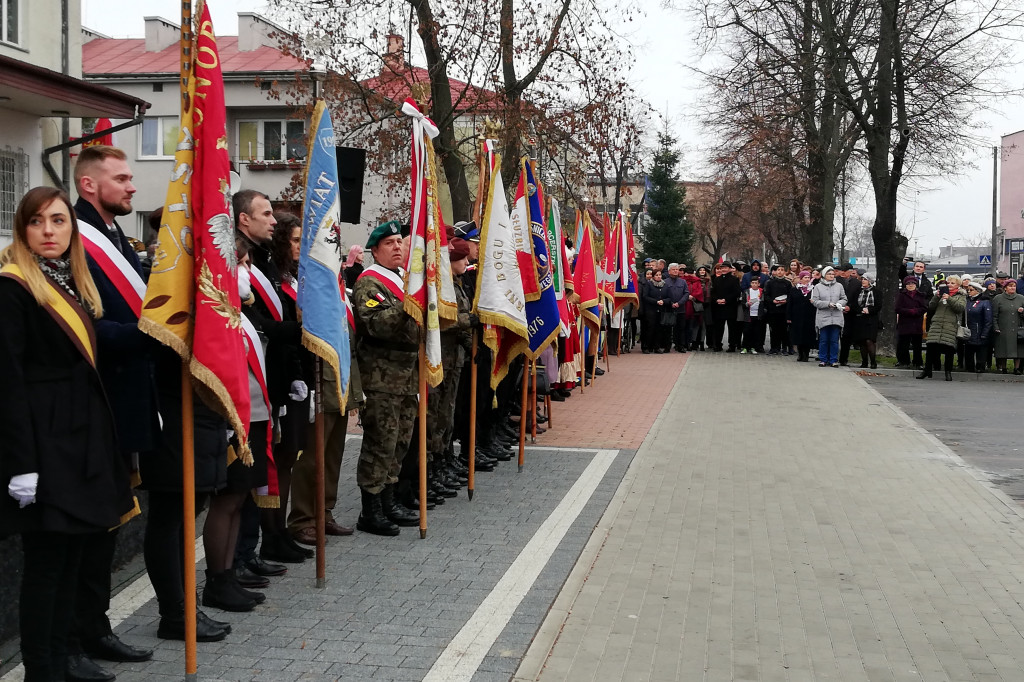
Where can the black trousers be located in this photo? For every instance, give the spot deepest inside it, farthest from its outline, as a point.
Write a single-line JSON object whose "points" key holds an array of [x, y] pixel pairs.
{"points": [[974, 357], [937, 352], [780, 332], [90, 621], [846, 340], [248, 532], [164, 548], [680, 332], [736, 333], [753, 335], [716, 332], [904, 344], [47, 609]]}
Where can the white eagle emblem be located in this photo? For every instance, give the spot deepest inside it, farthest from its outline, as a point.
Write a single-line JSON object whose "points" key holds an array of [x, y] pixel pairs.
{"points": [[224, 238]]}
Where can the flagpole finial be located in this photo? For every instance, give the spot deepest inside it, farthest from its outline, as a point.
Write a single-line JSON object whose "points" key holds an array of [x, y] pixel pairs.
{"points": [[421, 94]]}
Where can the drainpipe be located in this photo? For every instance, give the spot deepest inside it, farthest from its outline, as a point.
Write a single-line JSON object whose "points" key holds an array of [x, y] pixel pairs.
{"points": [[65, 68]]}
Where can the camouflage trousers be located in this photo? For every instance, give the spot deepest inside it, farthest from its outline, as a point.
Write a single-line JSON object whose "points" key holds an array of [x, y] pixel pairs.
{"points": [[441, 411], [387, 429]]}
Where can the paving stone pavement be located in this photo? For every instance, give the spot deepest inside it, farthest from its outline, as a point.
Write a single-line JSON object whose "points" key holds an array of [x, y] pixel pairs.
{"points": [[392, 605], [750, 540]]}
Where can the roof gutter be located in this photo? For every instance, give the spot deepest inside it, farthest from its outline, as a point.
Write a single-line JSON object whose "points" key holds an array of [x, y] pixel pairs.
{"points": [[65, 147]]}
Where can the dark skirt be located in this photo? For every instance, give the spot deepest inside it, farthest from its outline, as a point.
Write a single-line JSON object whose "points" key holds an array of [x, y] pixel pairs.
{"points": [[242, 478]]}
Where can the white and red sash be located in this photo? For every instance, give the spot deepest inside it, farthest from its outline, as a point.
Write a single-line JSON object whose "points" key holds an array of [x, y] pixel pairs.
{"points": [[264, 288], [114, 265], [348, 311], [389, 278], [289, 289], [258, 366]]}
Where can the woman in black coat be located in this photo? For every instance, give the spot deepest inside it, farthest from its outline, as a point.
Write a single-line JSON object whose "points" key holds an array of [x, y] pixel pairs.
{"points": [[800, 313], [59, 456], [865, 322]]}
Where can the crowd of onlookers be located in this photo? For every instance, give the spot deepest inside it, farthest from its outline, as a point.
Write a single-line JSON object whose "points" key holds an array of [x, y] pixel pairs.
{"points": [[791, 309]]}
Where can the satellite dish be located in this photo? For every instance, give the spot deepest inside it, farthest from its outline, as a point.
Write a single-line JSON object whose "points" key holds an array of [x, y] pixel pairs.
{"points": [[234, 182]]}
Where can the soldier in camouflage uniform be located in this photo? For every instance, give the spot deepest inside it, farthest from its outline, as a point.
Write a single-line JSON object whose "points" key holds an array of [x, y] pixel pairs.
{"points": [[386, 350], [455, 344]]}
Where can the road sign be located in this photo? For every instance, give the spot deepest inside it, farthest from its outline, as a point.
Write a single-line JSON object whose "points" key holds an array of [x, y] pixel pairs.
{"points": [[985, 259]]}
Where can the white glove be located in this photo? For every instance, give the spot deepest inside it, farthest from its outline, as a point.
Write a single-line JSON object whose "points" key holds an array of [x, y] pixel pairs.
{"points": [[312, 406], [23, 488], [298, 391]]}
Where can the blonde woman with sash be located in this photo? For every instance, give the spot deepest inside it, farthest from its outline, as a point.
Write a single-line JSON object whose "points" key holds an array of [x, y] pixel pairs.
{"points": [[59, 461]]}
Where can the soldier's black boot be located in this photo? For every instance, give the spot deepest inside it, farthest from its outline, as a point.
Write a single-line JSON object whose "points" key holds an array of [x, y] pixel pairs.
{"points": [[407, 494], [435, 483], [372, 519], [396, 513]]}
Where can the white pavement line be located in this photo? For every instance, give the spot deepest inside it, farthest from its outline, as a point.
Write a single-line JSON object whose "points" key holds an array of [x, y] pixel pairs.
{"points": [[469, 647], [122, 605], [947, 452]]}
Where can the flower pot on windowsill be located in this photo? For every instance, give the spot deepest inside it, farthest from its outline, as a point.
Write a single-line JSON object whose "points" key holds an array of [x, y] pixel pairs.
{"points": [[275, 165]]}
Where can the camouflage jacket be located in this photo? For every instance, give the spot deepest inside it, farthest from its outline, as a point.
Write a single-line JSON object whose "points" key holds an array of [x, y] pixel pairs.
{"points": [[456, 339], [387, 338]]}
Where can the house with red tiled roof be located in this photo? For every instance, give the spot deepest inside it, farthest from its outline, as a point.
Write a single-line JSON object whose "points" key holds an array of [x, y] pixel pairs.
{"points": [[266, 139], [42, 100]]}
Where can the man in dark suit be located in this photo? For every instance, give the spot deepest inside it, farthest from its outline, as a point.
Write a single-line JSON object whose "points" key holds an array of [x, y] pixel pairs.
{"points": [[104, 183]]}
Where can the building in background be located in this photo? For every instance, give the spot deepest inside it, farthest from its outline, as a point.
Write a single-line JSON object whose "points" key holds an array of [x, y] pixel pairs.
{"points": [[1011, 205], [43, 98], [266, 136]]}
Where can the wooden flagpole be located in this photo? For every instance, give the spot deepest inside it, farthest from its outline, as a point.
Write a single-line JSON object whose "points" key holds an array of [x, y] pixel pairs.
{"points": [[473, 374], [533, 402], [319, 479], [188, 475], [522, 416], [470, 486], [423, 438], [188, 489], [580, 327]]}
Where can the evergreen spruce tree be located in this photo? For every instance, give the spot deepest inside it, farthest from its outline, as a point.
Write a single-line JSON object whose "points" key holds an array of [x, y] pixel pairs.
{"points": [[668, 230]]}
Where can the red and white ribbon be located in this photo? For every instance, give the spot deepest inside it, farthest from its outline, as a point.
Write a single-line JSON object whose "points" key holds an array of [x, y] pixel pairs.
{"points": [[114, 265], [265, 288]]}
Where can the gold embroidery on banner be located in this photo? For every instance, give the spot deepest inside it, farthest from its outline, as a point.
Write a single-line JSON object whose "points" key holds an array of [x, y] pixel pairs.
{"points": [[219, 299]]}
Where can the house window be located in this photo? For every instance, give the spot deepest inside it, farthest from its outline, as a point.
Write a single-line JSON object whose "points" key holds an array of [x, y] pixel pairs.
{"points": [[11, 13], [13, 185], [271, 140], [159, 137]]}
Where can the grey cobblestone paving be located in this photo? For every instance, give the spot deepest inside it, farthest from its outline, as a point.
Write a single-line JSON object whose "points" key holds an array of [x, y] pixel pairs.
{"points": [[392, 605]]}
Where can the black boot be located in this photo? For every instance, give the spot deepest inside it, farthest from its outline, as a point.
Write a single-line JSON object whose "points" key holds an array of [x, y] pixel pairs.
{"points": [[407, 495], [207, 630], [257, 597], [949, 376], [372, 519], [396, 513], [275, 548], [926, 373], [434, 482], [219, 592]]}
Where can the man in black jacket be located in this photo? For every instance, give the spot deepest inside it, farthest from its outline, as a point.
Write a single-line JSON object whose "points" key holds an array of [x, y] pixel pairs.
{"points": [[675, 293], [724, 297], [103, 179], [852, 286]]}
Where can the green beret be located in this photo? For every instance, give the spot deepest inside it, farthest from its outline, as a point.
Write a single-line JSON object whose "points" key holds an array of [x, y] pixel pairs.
{"points": [[388, 229]]}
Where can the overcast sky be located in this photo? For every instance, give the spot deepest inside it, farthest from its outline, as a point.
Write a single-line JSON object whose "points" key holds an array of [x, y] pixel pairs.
{"points": [[936, 213]]}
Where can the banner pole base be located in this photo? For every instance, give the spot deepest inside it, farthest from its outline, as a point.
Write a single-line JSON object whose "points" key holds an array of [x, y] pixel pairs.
{"points": [[470, 493], [191, 677], [321, 583], [423, 533], [520, 468]]}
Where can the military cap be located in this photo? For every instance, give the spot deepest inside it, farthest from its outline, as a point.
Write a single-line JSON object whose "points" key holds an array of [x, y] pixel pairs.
{"points": [[467, 230], [388, 229]]}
